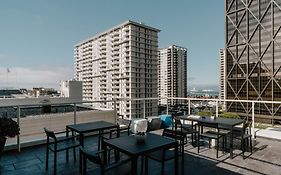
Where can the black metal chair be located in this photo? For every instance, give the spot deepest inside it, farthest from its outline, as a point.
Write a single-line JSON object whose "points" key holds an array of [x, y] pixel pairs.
{"points": [[120, 168], [167, 154], [244, 134], [59, 144], [211, 134], [186, 129], [124, 125]]}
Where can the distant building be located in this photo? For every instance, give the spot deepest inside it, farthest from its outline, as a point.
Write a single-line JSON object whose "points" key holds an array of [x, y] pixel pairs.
{"points": [[43, 92], [120, 63], [11, 93], [222, 74], [71, 89], [253, 56], [172, 73]]}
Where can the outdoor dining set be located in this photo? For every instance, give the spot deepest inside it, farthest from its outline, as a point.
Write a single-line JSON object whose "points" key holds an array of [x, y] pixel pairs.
{"points": [[116, 141]]}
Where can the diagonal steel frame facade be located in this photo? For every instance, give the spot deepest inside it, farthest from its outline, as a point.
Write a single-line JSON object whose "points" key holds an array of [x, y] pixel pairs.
{"points": [[253, 55]]}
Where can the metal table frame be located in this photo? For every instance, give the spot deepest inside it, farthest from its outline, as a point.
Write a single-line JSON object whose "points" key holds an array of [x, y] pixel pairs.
{"points": [[128, 146], [230, 123]]}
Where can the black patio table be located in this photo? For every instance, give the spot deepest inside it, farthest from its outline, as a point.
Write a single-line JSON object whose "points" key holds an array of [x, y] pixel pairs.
{"points": [[152, 142], [83, 128], [228, 123]]}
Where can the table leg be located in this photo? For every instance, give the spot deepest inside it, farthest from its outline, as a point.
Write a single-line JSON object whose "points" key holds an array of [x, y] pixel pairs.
{"points": [[103, 146], [231, 143], [81, 139], [67, 151], [176, 158], [134, 165], [118, 131], [99, 139], [117, 152]]}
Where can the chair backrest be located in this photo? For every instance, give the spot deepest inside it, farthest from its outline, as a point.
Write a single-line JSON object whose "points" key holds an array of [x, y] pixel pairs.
{"points": [[50, 133], [174, 134], [122, 121], [177, 123], [91, 156], [177, 135], [247, 126]]}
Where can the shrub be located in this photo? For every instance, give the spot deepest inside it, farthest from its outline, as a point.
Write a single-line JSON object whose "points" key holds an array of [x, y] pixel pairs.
{"points": [[205, 113], [8, 127], [229, 115]]}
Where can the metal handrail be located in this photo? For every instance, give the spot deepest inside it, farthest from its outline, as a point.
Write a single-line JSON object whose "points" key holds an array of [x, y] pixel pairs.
{"points": [[17, 103]]}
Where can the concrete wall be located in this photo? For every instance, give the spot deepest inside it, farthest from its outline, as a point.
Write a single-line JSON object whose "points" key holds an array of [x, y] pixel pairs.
{"points": [[32, 127]]}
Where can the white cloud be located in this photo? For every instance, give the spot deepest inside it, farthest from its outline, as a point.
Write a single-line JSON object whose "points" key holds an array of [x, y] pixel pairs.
{"points": [[21, 77]]}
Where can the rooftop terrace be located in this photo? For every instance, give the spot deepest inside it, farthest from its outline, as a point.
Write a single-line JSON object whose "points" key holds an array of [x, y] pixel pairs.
{"points": [[265, 159]]}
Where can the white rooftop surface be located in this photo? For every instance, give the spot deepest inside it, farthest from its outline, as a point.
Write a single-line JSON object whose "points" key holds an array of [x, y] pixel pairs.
{"points": [[271, 133]]}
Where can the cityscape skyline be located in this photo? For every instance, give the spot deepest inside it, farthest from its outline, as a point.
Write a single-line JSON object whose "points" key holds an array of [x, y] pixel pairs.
{"points": [[45, 36]]}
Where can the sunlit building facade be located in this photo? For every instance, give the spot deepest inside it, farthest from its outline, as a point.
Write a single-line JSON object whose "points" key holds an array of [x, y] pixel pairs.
{"points": [[222, 74], [253, 55], [120, 63], [172, 73]]}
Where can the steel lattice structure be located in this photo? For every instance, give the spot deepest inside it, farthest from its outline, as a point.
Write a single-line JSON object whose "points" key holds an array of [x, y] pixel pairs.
{"points": [[253, 55]]}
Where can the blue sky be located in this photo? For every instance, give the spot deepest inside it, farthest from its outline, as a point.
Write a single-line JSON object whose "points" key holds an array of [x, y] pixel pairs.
{"points": [[37, 36]]}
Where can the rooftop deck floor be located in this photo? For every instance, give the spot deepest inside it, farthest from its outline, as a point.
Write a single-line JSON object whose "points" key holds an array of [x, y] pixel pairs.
{"points": [[266, 159]]}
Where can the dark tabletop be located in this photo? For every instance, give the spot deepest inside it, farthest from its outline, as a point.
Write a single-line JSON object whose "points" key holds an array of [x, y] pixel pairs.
{"points": [[91, 126], [153, 142], [218, 120]]}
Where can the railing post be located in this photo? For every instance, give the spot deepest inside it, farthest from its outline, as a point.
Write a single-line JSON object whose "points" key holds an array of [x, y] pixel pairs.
{"points": [[188, 106], [167, 107], [253, 120], [144, 109], [18, 121], [217, 108], [115, 110], [75, 116]]}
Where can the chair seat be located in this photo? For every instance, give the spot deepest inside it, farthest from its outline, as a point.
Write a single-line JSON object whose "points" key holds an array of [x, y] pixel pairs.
{"points": [[158, 155], [242, 136], [189, 130], [237, 129], [210, 134], [123, 126], [186, 126], [64, 145], [224, 132]]}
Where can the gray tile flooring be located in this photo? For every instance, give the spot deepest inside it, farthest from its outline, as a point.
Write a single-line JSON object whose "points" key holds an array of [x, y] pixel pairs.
{"points": [[266, 159]]}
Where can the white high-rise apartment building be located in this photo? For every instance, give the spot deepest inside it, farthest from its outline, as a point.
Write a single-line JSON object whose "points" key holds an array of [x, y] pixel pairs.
{"points": [[222, 74], [120, 63], [172, 73]]}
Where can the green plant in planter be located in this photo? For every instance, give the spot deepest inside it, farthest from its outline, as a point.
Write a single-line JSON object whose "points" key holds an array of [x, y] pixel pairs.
{"points": [[8, 128], [205, 113]]}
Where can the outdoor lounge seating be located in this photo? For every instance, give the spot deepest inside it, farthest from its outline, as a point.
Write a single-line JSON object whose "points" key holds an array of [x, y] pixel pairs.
{"points": [[58, 145]]}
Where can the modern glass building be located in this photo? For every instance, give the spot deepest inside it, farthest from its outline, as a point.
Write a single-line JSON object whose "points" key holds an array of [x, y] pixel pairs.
{"points": [[253, 55]]}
